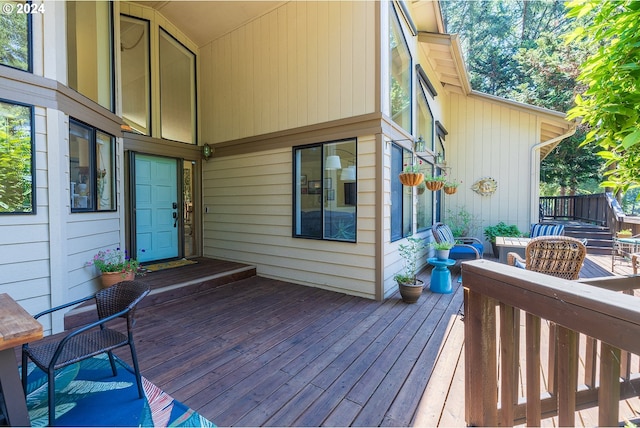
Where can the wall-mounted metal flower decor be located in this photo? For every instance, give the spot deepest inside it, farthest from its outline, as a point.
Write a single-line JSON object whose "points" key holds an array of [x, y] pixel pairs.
{"points": [[486, 186]]}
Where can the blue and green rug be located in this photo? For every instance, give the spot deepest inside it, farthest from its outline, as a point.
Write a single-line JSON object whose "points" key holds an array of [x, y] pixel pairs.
{"points": [[87, 394]]}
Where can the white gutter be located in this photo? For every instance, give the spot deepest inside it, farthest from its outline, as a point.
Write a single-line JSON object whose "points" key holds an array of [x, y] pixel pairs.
{"points": [[534, 181]]}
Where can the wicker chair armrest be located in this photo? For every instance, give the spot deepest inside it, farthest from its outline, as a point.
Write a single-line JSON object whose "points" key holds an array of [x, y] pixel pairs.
{"points": [[100, 323], [512, 257], [634, 262], [475, 250], [66, 305]]}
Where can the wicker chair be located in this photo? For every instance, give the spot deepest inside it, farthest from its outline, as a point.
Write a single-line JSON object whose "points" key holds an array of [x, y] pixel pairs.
{"points": [[560, 256], [117, 301], [465, 247]]}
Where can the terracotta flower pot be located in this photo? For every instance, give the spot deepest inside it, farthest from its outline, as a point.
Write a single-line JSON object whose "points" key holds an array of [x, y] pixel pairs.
{"points": [[434, 185], [411, 178], [110, 278]]}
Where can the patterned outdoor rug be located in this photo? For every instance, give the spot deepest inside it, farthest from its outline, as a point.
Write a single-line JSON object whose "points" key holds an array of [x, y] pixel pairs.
{"points": [[87, 394], [169, 265]]}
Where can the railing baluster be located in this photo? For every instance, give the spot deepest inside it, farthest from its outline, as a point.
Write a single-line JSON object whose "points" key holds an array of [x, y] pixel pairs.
{"points": [[481, 377], [508, 363], [609, 392], [534, 408], [567, 375]]}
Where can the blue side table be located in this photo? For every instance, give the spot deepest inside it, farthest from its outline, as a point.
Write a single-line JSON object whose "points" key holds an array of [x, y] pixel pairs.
{"points": [[440, 275]]}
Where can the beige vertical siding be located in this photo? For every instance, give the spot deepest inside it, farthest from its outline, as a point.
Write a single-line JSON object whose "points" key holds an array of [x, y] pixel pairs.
{"points": [[249, 203], [301, 64], [491, 139]]}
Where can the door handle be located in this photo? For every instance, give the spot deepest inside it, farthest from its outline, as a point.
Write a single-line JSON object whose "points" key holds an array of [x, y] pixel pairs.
{"points": [[175, 217]]}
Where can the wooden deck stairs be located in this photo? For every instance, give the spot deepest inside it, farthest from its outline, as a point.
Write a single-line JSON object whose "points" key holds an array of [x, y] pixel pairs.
{"points": [[599, 238], [176, 283]]}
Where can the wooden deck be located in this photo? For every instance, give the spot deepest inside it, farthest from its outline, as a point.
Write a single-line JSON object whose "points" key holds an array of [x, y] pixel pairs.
{"points": [[262, 352]]}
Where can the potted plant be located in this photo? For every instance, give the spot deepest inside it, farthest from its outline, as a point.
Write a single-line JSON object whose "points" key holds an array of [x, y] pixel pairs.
{"points": [[411, 175], [436, 182], [500, 229], [451, 187], [115, 266], [624, 233], [410, 286], [442, 249]]}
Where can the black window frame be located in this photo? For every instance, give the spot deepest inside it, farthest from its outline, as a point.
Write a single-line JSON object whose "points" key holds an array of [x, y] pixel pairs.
{"points": [[31, 108], [93, 167], [28, 16], [350, 192], [399, 229]]}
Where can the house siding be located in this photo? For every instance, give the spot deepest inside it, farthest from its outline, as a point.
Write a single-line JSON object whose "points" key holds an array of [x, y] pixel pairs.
{"points": [[301, 64], [248, 218], [487, 139]]}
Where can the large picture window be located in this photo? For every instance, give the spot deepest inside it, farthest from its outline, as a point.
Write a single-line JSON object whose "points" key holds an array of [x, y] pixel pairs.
{"points": [[177, 90], [399, 73], [17, 184], [92, 168], [15, 34], [401, 196], [135, 55], [325, 191], [90, 50]]}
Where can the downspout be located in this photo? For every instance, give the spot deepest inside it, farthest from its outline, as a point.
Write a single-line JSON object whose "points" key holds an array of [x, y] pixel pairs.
{"points": [[534, 191]]}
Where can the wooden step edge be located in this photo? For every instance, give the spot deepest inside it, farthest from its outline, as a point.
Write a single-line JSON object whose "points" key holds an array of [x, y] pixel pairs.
{"points": [[84, 314]]}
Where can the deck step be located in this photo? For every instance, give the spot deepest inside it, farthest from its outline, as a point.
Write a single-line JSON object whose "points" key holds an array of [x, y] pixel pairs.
{"points": [[599, 238], [85, 314]]}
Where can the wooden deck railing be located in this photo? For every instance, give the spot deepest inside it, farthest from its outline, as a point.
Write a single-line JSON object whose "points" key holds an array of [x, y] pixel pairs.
{"points": [[514, 375], [589, 208]]}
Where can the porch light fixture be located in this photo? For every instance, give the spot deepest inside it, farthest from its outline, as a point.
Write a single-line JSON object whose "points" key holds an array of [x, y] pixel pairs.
{"points": [[207, 151], [439, 158], [333, 163], [419, 145]]}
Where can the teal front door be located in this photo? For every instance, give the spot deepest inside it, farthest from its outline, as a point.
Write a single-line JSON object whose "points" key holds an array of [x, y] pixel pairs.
{"points": [[156, 208]]}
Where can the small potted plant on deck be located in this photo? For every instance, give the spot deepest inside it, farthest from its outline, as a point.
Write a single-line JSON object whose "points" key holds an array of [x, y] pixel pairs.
{"points": [[410, 286], [115, 266], [442, 249]]}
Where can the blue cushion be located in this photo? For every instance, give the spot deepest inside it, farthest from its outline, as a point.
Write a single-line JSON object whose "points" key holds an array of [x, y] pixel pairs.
{"points": [[546, 230], [460, 252]]}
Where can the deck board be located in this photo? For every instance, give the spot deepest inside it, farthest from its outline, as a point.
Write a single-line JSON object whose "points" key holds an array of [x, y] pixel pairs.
{"points": [[262, 352]]}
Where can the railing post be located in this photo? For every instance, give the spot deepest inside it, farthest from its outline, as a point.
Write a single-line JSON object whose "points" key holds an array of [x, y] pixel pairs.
{"points": [[609, 392], [567, 375], [481, 404], [534, 409], [509, 353]]}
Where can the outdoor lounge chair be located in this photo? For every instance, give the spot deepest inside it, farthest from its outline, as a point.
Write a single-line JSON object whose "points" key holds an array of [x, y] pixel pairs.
{"points": [[117, 301], [546, 229], [465, 247], [560, 256]]}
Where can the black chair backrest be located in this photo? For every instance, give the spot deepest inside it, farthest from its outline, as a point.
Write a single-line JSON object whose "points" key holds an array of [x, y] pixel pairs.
{"points": [[120, 296]]}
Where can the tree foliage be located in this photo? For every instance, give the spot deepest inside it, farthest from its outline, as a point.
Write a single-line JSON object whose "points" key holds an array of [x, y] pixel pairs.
{"points": [[530, 63], [611, 104]]}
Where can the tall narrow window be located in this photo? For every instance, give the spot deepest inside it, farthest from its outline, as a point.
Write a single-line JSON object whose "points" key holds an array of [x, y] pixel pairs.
{"points": [[90, 50], [425, 120], [15, 33], [399, 73], [17, 184], [425, 199], [401, 196], [134, 51], [92, 168], [177, 90], [325, 191]]}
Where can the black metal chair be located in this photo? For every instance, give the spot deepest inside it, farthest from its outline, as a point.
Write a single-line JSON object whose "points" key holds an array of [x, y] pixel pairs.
{"points": [[117, 301]]}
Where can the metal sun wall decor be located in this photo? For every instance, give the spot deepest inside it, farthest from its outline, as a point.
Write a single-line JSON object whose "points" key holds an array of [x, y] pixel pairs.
{"points": [[486, 186]]}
